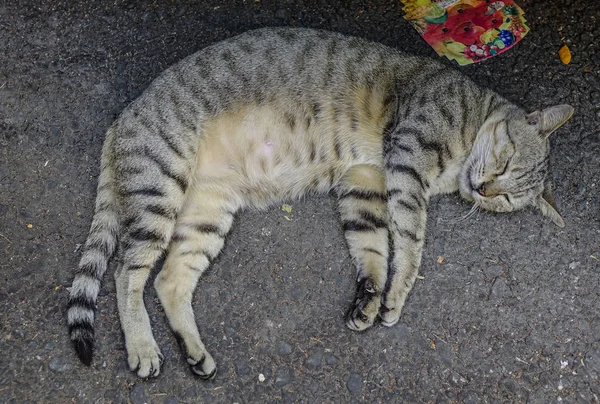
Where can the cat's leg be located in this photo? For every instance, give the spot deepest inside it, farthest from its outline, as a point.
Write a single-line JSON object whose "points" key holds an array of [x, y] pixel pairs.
{"points": [[148, 219], [407, 206], [198, 238], [362, 203], [140, 250]]}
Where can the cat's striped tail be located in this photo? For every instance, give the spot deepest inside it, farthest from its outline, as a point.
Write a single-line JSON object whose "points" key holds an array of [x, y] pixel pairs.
{"points": [[99, 247]]}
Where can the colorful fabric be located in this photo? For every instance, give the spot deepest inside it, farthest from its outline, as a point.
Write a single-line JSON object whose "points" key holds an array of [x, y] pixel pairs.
{"points": [[467, 31]]}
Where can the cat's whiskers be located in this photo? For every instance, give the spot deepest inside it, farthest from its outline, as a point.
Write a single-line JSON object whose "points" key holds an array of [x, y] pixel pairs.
{"points": [[471, 212]]}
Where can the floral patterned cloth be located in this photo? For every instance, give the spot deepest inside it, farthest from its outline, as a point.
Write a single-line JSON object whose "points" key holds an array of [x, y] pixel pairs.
{"points": [[467, 31]]}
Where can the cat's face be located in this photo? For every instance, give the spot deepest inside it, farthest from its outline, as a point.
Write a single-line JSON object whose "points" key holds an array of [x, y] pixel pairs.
{"points": [[508, 164]]}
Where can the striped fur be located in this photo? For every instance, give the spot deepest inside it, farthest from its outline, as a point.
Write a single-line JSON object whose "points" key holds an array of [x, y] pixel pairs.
{"points": [[275, 114]]}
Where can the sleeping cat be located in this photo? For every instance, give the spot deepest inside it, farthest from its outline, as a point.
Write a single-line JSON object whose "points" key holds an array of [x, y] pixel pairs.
{"points": [[277, 113]]}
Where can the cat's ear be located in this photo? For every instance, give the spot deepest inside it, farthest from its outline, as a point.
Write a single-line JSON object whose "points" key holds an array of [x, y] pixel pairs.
{"points": [[550, 119], [547, 205]]}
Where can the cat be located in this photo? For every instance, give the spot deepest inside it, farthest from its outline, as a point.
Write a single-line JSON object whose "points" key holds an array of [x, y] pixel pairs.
{"points": [[274, 114]]}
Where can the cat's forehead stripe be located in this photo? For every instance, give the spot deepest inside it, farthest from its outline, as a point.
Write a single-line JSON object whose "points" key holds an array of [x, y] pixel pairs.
{"points": [[508, 134]]}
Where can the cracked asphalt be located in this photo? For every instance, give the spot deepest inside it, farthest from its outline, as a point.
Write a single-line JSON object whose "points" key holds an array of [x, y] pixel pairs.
{"points": [[510, 315]]}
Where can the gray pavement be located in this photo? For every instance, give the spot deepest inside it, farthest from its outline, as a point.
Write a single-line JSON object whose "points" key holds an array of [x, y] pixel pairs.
{"points": [[511, 315]]}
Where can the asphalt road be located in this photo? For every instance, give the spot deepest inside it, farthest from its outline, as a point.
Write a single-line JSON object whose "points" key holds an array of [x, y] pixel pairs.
{"points": [[511, 315]]}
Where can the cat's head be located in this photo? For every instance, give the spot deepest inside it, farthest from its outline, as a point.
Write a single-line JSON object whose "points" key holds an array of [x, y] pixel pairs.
{"points": [[508, 165]]}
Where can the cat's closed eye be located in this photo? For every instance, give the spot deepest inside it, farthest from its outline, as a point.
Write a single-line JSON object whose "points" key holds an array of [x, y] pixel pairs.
{"points": [[505, 169]]}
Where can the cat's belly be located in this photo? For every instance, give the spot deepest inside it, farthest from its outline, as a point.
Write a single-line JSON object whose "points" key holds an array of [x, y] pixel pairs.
{"points": [[264, 153]]}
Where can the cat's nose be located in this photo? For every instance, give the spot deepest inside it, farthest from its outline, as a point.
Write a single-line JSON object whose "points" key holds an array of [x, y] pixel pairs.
{"points": [[480, 189]]}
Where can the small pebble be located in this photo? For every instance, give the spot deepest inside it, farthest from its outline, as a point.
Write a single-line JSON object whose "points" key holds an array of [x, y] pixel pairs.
{"points": [[469, 397], [241, 367], [283, 348], [314, 360], [354, 384], [500, 289], [282, 378], [331, 360], [493, 271], [59, 364], [138, 394]]}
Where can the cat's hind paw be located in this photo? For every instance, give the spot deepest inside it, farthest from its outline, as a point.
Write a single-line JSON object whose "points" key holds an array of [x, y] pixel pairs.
{"points": [[145, 359], [363, 312]]}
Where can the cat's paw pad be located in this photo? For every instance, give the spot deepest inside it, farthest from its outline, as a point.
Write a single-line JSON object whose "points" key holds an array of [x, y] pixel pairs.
{"points": [[145, 359], [363, 311], [204, 367]]}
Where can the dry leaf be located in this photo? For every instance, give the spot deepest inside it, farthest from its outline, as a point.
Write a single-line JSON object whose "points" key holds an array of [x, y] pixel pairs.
{"points": [[565, 54]]}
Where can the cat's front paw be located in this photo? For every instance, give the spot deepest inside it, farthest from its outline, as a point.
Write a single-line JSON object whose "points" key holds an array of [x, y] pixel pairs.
{"points": [[363, 311], [201, 362], [204, 367], [144, 357], [389, 316], [390, 309]]}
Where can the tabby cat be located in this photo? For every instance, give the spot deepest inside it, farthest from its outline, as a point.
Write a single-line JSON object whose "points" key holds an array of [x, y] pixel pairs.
{"points": [[277, 113]]}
